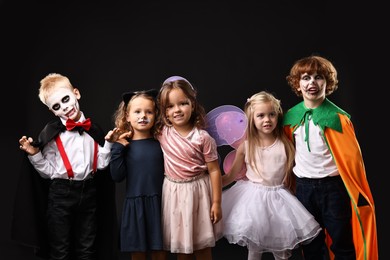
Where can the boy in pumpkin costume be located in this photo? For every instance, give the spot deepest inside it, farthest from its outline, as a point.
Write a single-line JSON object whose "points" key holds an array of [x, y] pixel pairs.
{"points": [[330, 175]]}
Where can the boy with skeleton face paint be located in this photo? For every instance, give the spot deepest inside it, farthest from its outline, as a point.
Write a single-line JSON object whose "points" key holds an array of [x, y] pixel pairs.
{"points": [[70, 154]]}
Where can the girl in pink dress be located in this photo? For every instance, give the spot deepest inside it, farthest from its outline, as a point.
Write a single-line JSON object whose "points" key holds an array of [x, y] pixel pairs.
{"points": [[192, 188], [262, 213]]}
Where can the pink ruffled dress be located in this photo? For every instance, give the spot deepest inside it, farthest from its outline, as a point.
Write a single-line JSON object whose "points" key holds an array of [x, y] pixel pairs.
{"points": [[187, 192]]}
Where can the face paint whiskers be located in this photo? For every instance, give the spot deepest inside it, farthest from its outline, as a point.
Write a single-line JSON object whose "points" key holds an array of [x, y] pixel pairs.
{"points": [[143, 120]]}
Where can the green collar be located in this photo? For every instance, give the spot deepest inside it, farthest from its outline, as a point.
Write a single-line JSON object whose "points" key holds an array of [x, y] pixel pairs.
{"points": [[326, 115]]}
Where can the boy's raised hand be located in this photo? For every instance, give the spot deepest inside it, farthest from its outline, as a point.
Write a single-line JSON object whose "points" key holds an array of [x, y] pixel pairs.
{"points": [[25, 145]]}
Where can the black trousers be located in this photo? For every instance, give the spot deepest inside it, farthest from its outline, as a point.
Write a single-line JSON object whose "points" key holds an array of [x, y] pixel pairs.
{"points": [[329, 202], [71, 219]]}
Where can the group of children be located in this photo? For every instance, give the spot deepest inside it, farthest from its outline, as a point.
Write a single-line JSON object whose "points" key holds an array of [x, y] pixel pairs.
{"points": [[306, 185]]}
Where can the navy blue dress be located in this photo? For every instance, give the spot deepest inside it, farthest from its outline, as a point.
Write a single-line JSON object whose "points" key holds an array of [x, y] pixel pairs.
{"points": [[141, 163]]}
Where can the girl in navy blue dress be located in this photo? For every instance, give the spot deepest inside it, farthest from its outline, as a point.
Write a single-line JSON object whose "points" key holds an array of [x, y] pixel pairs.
{"points": [[138, 158]]}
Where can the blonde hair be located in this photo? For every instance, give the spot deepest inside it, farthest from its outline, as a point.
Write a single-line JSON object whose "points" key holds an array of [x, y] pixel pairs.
{"points": [[50, 83], [252, 134], [310, 65]]}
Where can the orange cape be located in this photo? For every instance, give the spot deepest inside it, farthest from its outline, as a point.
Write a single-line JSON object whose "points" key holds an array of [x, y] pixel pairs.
{"points": [[348, 158]]}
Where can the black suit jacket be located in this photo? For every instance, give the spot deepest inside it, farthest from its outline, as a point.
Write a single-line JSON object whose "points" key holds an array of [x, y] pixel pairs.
{"points": [[29, 216]]}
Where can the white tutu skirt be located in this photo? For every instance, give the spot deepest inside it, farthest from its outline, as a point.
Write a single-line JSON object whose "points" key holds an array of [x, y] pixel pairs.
{"points": [[266, 219], [187, 225]]}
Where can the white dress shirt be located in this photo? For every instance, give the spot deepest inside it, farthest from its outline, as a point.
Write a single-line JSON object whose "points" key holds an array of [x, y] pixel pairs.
{"points": [[80, 152]]}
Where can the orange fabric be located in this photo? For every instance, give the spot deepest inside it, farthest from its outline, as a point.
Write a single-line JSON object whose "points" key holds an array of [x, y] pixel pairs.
{"points": [[348, 158]]}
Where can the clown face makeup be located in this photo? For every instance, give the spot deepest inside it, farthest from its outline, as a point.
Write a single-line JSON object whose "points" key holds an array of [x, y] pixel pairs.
{"points": [[313, 89], [63, 102]]}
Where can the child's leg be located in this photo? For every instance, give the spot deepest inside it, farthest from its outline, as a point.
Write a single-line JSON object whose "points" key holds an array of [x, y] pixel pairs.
{"points": [[204, 254], [254, 255], [159, 255], [138, 256], [185, 257]]}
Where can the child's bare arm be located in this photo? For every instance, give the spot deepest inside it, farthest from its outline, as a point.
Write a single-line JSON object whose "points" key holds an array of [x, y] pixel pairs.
{"points": [[216, 184]]}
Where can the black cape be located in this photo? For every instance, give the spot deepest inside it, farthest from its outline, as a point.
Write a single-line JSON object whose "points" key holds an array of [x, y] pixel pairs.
{"points": [[29, 220]]}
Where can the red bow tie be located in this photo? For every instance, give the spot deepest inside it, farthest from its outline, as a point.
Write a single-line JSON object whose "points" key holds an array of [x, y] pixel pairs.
{"points": [[70, 124]]}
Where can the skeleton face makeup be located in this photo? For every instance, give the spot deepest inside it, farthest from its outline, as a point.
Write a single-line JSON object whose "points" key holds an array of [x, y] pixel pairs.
{"points": [[63, 102]]}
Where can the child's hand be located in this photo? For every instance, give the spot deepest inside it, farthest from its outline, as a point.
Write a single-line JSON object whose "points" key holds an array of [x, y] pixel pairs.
{"points": [[126, 135], [216, 213], [25, 145], [123, 138], [112, 135]]}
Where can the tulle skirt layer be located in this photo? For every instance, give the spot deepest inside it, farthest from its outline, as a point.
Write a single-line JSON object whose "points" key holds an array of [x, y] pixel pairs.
{"points": [[187, 226], [266, 219]]}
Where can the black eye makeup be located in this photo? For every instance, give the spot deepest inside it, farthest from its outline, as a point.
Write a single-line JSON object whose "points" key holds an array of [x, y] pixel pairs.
{"points": [[64, 100], [56, 106]]}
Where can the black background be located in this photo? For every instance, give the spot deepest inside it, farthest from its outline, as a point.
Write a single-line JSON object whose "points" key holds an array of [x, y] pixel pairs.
{"points": [[228, 51]]}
